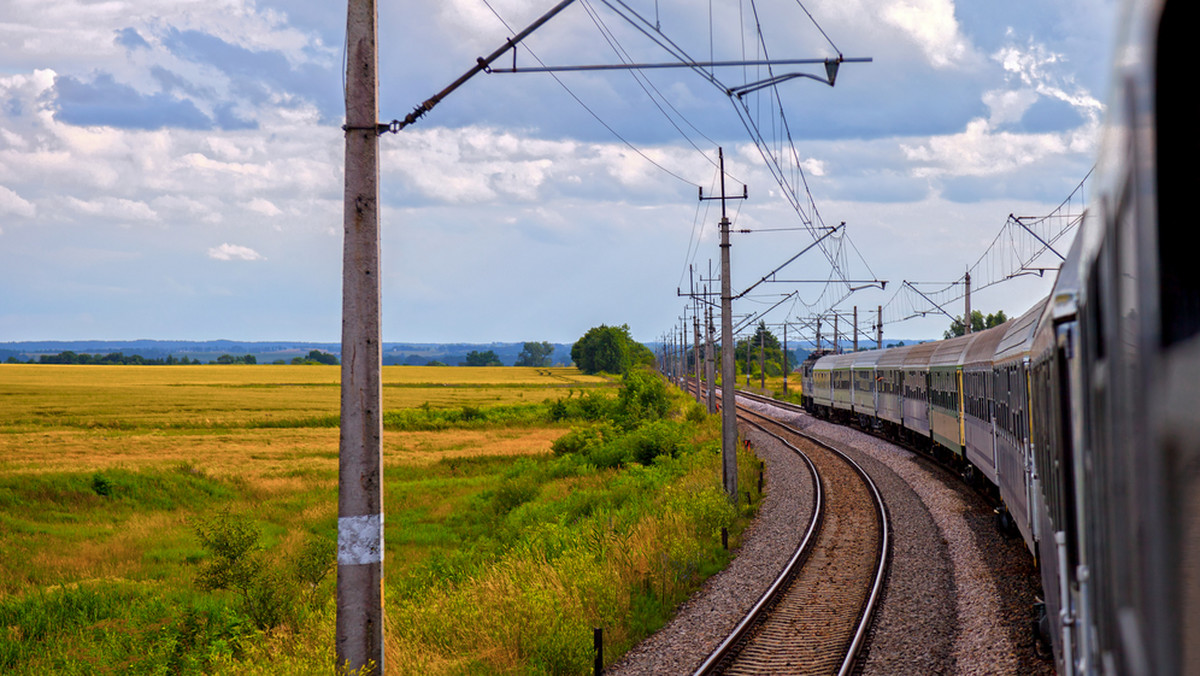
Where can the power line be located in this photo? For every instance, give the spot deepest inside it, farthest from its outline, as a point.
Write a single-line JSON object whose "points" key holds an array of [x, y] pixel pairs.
{"points": [[591, 112], [1020, 243]]}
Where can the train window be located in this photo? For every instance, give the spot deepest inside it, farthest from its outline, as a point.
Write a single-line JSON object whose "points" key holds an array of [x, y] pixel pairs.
{"points": [[1176, 143]]}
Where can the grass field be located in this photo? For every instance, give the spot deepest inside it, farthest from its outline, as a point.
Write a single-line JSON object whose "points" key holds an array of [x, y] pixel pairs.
{"points": [[108, 474]]}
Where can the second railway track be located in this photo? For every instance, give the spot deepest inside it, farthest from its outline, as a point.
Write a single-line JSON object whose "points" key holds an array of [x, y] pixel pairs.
{"points": [[818, 614]]}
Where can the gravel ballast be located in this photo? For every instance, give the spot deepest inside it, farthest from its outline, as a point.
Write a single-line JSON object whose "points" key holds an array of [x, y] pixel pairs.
{"points": [[959, 595]]}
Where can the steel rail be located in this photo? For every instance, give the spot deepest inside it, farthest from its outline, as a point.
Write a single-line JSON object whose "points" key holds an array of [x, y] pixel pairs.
{"points": [[728, 647], [868, 612]]}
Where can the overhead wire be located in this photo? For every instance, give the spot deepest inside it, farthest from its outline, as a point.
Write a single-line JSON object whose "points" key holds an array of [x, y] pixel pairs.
{"points": [[790, 178], [591, 112], [646, 85]]}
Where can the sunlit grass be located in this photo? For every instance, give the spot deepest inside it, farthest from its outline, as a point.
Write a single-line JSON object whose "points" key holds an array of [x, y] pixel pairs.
{"points": [[105, 472]]}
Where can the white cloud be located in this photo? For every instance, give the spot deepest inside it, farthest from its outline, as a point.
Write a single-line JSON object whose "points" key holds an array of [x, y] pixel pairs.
{"points": [[113, 208], [37, 30], [1040, 70], [981, 151], [931, 24], [264, 207], [14, 204], [1008, 106], [229, 252]]}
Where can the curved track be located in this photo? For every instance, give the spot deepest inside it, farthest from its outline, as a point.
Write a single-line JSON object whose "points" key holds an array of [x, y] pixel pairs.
{"points": [[814, 618]]}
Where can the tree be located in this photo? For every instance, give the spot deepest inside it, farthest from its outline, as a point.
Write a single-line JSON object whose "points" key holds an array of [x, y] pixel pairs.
{"points": [[978, 323], [609, 349], [321, 357], [477, 358], [771, 348], [535, 354]]}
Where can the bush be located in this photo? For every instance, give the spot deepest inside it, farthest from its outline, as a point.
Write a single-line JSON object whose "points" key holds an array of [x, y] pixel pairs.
{"points": [[582, 439], [269, 593], [661, 437], [643, 397]]}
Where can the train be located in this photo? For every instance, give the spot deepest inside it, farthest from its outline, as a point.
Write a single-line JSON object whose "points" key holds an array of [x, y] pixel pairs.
{"points": [[1083, 414]]}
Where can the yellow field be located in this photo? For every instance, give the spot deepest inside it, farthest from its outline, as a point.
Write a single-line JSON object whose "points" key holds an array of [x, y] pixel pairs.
{"points": [[167, 397], [248, 424]]}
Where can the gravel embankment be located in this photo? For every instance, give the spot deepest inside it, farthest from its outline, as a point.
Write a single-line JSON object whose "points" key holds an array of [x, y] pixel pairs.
{"points": [[958, 598]]}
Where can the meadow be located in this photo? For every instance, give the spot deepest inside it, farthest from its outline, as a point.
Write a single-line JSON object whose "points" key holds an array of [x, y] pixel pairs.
{"points": [[182, 519]]}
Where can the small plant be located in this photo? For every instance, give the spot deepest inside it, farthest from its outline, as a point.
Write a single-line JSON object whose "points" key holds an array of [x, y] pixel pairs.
{"points": [[101, 485], [270, 594]]}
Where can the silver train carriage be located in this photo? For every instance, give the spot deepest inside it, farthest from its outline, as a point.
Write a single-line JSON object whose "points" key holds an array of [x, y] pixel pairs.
{"points": [[1093, 405]]}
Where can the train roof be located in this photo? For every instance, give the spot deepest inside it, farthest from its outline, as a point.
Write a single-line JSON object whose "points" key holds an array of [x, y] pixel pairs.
{"points": [[894, 356], [1018, 339], [919, 355], [834, 361], [983, 349], [843, 361], [867, 358], [950, 352]]}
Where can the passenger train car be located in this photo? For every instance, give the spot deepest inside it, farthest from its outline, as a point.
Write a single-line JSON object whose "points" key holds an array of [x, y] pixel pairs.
{"points": [[1083, 414]]}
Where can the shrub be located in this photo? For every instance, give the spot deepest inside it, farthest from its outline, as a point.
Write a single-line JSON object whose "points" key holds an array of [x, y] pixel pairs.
{"points": [[270, 593], [102, 485], [660, 437], [643, 397], [582, 439]]}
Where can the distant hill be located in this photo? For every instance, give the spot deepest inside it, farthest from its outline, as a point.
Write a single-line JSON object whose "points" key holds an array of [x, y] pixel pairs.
{"points": [[270, 351], [266, 352]]}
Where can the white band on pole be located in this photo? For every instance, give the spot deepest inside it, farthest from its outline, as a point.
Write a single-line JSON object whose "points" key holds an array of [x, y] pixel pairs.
{"points": [[360, 539]]}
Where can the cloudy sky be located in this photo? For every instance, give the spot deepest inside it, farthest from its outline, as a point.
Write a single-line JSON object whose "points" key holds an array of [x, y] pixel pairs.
{"points": [[173, 168]]}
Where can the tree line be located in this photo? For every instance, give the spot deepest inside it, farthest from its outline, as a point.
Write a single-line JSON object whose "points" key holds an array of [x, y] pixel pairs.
{"points": [[122, 359]]}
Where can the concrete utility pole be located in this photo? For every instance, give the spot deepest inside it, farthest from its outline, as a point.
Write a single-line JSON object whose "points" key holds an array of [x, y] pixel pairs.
{"points": [[855, 343], [967, 320], [728, 372], [785, 357], [748, 362], [696, 352], [879, 328], [359, 641], [762, 364], [359, 632], [710, 363]]}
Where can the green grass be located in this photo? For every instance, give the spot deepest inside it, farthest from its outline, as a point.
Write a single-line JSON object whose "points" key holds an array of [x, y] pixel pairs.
{"points": [[501, 551]]}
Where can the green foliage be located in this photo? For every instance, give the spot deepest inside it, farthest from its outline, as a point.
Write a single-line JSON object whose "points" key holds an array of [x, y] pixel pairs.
{"points": [[270, 592], [467, 416], [569, 546], [477, 358], [978, 323], [101, 485], [631, 430], [609, 349], [244, 359], [651, 440], [112, 358], [316, 357], [117, 627], [643, 398], [583, 440], [762, 347], [535, 354]]}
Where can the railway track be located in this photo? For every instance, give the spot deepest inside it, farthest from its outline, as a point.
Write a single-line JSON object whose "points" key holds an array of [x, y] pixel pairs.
{"points": [[814, 618]]}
